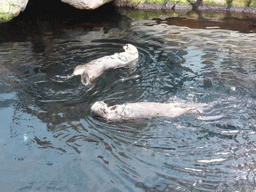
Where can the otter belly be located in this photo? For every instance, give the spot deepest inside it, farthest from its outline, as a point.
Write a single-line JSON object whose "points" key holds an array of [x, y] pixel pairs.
{"points": [[143, 110], [97, 67]]}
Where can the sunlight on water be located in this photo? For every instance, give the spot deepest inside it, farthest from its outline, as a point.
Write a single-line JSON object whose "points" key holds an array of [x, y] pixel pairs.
{"points": [[50, 141]]}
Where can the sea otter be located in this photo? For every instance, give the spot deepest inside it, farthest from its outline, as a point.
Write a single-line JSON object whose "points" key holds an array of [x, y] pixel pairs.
{"points": [[95, 68], [138, 110]]}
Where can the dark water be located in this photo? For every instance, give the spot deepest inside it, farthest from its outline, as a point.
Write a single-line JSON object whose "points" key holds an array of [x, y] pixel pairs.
{"points": [[50, 141]]}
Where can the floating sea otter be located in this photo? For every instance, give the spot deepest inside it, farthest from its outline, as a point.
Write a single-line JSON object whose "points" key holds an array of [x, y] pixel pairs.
{"points": [[95, 68], [130, 111]]}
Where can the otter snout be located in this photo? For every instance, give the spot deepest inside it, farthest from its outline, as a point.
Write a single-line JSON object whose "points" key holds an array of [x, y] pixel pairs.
{"points": [[125, 47]]}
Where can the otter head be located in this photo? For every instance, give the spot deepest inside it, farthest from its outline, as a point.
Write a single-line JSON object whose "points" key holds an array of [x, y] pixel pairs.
{"points": [[99, 109], [130, 49]]}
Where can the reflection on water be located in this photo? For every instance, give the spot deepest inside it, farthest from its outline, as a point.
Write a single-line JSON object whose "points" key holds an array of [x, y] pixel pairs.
{"points": [[49, 140]]}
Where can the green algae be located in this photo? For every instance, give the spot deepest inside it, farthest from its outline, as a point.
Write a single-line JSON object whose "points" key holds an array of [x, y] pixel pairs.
{"points": [[8, 10], [4, 17], [236, 3]]}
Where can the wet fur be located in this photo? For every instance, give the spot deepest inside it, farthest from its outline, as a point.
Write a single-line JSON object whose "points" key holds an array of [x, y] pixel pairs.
{"points": [[97, 67], [138, 110]]}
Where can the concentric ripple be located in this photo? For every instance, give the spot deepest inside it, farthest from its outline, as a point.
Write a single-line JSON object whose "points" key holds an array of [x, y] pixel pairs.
{"points": [[63, 147]]}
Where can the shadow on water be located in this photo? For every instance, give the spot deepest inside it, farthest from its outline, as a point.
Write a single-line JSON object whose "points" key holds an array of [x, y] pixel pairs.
{"points": [[202, 20], [52, 18], [49, 140]]}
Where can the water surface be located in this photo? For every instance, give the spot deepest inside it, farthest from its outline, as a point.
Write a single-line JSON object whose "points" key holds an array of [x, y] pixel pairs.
{"points": [[50, 141]]}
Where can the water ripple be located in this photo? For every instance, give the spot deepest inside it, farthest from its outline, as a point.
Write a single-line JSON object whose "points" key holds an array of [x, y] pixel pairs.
{"points": [[50, 115]]}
